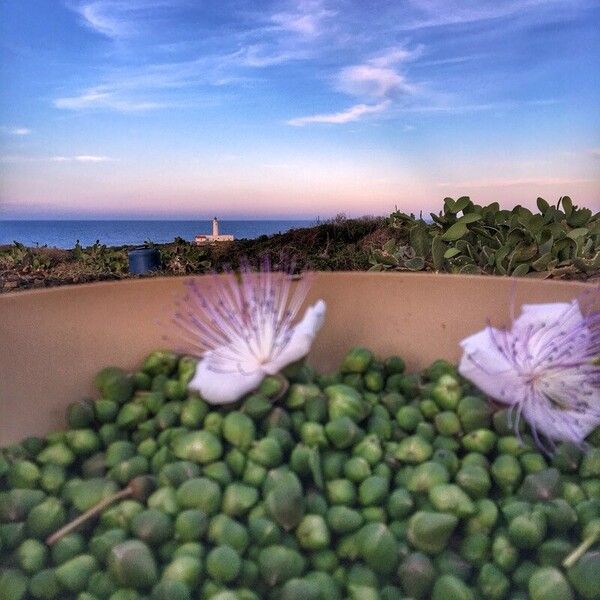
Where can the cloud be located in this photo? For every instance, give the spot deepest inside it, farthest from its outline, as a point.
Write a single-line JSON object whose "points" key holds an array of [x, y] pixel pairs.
{"points": [[376, 80], [379, 76], [354, 113], [307, 20], [503, 183], [595, 152], [120, 18], [83, 158], [94, 99], [16, 131]]}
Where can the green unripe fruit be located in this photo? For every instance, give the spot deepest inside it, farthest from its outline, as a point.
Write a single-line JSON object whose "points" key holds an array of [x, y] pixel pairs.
{"points": [[413, 450], [447, 423], [160, 362], [408, 417], [416, 574], [264, 532], [239, 429], [342, 432], [447, 392], [527, 530], [44, 585], [132, 565], [118, 452], [560, 515], [101, 544], [223, 564], [474, 413], [23, 474], [114, 384], [342, 519], [15, 504], [584, 575], [197, 446], [186, 569], [80, 414], [83, 441], [175, 473], [89, 492], [553, 552], [373, 490], [548, 583], [341, 491], [475, 548], [504, 554], [449, 562], [474, 480], [171, 589], [357, 360], [429, 531], [266, 452], [74, 574], [532, 462], [32, 556], [541, 486], [449, 587], [345, 401], [285, 500], [479, 440], [394, 364], [378, 548], [238, 499], [278, 563], [590, 464], [506, 472], [370, 449], [357, 469], [426, 476], [450, 498], [312, 533], [152, 526], [13, 585], [313, 434], [67, 547], [201, 493], [224, 530], [492, 582], [399, 504], [45, 518], [57, 453]]}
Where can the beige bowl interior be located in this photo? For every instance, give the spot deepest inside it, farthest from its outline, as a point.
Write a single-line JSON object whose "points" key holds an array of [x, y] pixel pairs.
{"points": [[53, 341]]}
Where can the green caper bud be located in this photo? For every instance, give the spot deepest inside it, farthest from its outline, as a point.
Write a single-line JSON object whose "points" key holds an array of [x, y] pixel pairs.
{"points": [[132, 565], [430, 531], [201, 493], [426, 476], [74, 574], [548, 583], [416, 574]]}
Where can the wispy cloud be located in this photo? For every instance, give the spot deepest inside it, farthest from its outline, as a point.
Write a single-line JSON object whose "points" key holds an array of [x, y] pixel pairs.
{"points": [[79, 158], [93, 99], [82, 158], [503, 183], [120, 18], [354, 113], [377, 80], [16, 131], [308, 18]]}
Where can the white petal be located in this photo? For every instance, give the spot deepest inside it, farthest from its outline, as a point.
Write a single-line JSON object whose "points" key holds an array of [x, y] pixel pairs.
{"points": [[568, 314], [485, 365], [223, 388], [301, 339], [557, 424]]}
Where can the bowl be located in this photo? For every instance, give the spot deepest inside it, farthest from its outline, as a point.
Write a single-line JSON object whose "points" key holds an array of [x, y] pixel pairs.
{"points": [[53, 341]]}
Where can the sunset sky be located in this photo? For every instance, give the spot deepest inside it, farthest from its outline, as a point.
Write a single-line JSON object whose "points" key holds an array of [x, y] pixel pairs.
{"points": [[183, 108]]}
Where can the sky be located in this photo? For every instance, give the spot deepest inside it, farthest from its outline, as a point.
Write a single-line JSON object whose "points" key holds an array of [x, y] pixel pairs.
{"points": [[294, 109]]}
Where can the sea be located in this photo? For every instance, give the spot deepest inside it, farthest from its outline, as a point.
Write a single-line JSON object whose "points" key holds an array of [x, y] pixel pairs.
{"points": [[65, 234]]}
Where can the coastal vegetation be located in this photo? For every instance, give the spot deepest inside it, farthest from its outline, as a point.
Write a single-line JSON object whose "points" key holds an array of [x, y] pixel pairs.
{"points": [[559, 241]]}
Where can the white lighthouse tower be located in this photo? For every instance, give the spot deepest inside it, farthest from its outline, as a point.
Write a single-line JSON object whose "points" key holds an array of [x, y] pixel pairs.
{"points": [[215, 236]]}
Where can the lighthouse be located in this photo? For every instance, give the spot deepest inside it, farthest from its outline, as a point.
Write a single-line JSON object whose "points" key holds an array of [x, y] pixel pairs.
{"points": [[215, 236]]}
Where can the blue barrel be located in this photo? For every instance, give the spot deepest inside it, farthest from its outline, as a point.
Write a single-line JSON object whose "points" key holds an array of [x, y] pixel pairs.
{"points": [[143, 260]]}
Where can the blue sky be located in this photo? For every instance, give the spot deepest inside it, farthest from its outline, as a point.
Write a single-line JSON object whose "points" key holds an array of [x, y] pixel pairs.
{"points": [[177, 108]]}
